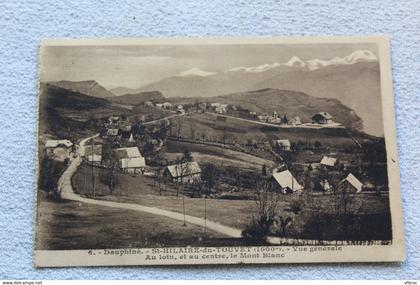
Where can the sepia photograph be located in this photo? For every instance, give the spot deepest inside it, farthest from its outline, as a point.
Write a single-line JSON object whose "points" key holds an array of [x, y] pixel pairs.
{"points": [[205, 151]]}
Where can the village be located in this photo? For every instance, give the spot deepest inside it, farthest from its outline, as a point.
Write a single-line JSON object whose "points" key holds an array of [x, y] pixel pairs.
{"points": [[216, 160], [123, 145]]}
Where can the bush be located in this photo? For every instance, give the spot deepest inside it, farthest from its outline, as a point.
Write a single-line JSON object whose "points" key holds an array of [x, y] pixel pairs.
{"points": [[295, 206]]}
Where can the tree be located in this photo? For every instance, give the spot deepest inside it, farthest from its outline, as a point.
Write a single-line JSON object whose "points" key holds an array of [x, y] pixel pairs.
{"points": [[265, 211], [163, 130], [186, 156], [110, 178], [345, 206], [264, 170], [162, 182], [209, 177]]}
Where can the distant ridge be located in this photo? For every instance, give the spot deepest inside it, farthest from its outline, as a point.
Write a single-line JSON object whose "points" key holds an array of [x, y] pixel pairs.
{"points": [[138, 98], [88, 87]]}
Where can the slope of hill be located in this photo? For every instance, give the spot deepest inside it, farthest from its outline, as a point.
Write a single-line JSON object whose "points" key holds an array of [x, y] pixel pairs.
{"points": [[65, 112], [89, 87], [138, 98], [356, 86], [291, 103], [118, 91]]}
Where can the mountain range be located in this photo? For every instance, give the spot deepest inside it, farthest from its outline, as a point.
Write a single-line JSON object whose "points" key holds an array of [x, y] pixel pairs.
{"points": [[354, 80]]}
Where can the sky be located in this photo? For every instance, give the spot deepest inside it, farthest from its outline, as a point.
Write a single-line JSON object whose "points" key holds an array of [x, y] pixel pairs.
{"points": [[135, 66]]}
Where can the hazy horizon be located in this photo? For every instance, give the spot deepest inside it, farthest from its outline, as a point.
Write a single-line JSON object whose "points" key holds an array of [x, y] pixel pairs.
{"points": [[136, 66]]}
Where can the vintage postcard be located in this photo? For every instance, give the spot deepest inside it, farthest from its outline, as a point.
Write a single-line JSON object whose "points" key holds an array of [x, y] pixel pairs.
{"points": [[216, 151]]}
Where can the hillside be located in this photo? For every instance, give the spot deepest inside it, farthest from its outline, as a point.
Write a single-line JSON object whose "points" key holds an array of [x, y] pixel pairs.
{"points": [[118, 91], [136, 99], [89, 87], [64, 112], [292, 104], [356, 86]]}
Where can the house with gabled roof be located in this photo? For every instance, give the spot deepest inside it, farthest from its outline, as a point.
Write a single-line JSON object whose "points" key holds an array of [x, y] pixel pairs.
{"points": [[58, 149], [286, 182], [328, 161], [283, 144], [323, 118], [186, 172], [350, 184], [93, 153], [130, 159]]}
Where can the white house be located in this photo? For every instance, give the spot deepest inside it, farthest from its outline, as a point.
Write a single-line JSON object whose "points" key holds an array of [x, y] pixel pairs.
{"points": [[93, 153], [56, 143], [112, 132], [324, 185], [219, 107], [351, 184], [114, 120], [58, 149], [132, 165], [167, 105], [323, 118], [286, 182], [186, 172], [283, 144], [130, 159], [328, 161]]}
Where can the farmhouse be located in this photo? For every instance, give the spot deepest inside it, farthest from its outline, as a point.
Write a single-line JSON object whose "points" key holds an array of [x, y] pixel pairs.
{"points": [[128, 152], [58, 149], [350, 184], [323, 186], [112, 133], [167, 105], [114, 120], [148, 103], [93, 153], [57, 143], [130, 159], [281, 144], [186, 172], [286, 182], [180, 109], [295, 121], [323, 118], [219, 107], [328, 161], [263, 117], [132, 165], [253, 114]]}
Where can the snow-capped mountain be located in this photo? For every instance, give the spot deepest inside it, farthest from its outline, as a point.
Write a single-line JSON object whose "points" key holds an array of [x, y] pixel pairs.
{"points": [[313, 64], [195, 71], [259, 68], [354, 57], [295, 61]]}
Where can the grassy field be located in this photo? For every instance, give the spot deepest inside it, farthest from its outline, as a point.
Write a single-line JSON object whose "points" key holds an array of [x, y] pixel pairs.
{"points": [[235, 213], [64, 225], [236, 131], [221, 157]]}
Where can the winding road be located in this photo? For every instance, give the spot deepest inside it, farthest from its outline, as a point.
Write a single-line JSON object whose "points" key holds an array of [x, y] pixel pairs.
{"points": [[66, 192]]}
